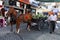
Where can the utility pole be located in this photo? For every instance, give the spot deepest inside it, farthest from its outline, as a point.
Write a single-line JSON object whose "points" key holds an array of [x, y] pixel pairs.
{"points": [[24, 8]]}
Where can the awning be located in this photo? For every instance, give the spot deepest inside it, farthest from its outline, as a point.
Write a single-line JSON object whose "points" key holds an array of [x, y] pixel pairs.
{"points": [[25, 1], [18, 8]]}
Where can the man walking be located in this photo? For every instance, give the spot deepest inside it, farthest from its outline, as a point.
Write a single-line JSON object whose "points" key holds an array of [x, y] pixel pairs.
{"points": [[52, 18]]}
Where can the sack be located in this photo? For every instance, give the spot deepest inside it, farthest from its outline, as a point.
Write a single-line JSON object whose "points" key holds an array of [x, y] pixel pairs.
{"points": [[56, 26]]}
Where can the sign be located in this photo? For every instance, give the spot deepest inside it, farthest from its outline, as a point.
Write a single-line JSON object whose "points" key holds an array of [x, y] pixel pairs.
{"points": [[25, 1]]}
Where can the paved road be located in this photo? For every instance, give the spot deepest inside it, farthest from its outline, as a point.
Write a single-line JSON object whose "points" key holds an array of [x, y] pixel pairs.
{"points": [[5, 34]]}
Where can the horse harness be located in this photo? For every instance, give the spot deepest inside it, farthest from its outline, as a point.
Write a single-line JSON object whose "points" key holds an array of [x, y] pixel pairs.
{"points": [[12, 18]]}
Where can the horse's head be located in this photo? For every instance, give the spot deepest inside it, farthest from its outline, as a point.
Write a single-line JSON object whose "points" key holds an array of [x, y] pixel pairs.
{"points": [[12, 11], [3, 11], [28, 16]]}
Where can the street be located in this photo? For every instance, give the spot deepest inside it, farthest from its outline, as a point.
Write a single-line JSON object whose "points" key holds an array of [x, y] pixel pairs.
{"points": [[44, 34], [39, 12]]}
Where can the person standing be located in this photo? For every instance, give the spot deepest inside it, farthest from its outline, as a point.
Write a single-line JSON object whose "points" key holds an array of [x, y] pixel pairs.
{"points": [[55, 10], [52, 19]]}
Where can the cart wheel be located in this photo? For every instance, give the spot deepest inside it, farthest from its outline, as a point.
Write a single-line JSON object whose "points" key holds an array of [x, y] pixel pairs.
{"points": [[39, 26]]}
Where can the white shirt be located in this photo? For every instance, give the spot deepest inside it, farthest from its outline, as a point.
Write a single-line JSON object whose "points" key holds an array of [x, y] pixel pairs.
{"points": [[52, 18], [55, 10]]}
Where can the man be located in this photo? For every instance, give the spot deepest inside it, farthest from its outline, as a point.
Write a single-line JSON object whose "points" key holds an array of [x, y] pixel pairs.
{"points": [[55, 10], [52, 18]]}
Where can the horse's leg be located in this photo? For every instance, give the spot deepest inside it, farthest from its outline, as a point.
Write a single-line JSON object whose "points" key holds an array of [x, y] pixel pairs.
{"points": [[8, 21], [28, 26], [17, 26], [11, 26]]}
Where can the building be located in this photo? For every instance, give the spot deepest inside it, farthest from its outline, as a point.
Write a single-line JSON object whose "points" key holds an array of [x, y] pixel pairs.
{"points": [[20, 5], [50, 0]]}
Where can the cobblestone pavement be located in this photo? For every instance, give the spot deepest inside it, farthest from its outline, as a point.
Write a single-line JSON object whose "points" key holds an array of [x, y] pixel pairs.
{"points": [[44, 34]]}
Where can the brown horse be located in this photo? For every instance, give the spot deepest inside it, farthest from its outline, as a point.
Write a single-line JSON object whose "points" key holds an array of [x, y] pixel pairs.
{"points": [[21, 18], [24, 18], [13, 15]]}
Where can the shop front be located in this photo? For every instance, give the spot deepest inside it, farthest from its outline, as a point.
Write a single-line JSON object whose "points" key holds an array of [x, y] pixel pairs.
{"points": [[20, 5], [25, 4]]}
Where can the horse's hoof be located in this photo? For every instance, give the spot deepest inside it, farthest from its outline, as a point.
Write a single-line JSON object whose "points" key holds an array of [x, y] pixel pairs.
{"points": [[18, 31], [11, 30], [28, 29]]}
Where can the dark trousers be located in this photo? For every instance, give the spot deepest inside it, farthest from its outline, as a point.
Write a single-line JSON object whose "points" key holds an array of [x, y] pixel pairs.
{"points": [[52, 26]]}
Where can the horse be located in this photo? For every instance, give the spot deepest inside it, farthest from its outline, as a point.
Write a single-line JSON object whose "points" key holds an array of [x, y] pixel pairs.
{"points": [[19, 19], [26, 18], [3, 12], [12, 15]]}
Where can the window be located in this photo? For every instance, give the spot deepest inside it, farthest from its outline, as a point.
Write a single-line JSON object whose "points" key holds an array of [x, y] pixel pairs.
{"points": [[12, 2], [33, 10], [28, 7], [22, 5]]}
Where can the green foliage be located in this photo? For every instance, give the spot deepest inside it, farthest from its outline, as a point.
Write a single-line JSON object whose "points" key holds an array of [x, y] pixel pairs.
{"points": [[39, 16]]}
